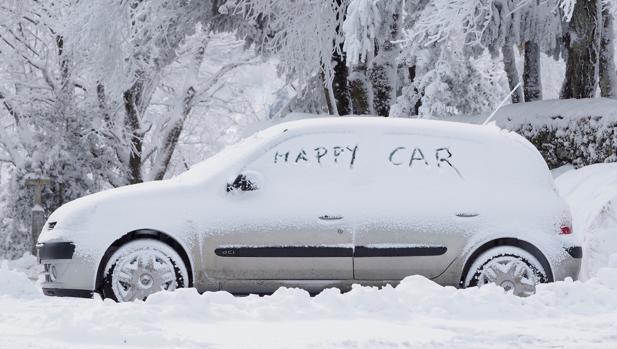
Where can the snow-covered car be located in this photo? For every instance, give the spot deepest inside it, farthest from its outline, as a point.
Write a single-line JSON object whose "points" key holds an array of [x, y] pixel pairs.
{"points": [[321, 203]]}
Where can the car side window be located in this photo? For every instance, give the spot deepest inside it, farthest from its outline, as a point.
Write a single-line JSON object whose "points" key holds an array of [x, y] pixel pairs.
{"points": [[312, 162]]}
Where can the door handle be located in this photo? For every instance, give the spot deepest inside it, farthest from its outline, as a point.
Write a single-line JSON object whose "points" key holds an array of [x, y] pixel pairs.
{"points": [[467, 214], [330, 218]]}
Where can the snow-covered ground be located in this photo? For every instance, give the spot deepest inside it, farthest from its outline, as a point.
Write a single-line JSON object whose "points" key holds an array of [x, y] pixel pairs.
{"points": [[416, 314]]}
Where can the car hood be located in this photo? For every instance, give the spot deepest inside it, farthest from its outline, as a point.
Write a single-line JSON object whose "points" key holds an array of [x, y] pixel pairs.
{"points": [[127, 204]]}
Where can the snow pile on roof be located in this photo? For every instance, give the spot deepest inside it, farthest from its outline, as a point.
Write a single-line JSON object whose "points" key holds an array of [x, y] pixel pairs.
{"points": [[592, 194], [15, 283]]}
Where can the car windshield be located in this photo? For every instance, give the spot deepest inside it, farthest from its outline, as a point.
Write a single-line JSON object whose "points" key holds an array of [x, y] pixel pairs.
{"points": [[229, 155]]}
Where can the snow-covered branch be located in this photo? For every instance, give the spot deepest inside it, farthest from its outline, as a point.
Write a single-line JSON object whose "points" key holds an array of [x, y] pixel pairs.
{"points": [[360, 28]]}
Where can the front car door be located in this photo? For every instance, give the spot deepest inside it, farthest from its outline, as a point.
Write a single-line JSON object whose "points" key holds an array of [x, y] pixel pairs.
{"points": [[297, 222]]}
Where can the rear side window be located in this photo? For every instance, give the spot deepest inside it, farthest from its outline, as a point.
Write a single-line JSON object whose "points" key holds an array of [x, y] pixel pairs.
{"points": [[419, 160], [424, 162]]}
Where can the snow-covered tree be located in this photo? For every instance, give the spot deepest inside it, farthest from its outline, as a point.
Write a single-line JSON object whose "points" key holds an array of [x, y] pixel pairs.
{"points": [[383, 72], [360, 29], [449, 83], [307, 39], [439, 48], [47, 128], [96, 94], [497, 26], [371, 29]]}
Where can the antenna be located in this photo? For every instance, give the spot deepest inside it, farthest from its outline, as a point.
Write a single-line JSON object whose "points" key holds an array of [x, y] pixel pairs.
{"points": [[502, 103]]}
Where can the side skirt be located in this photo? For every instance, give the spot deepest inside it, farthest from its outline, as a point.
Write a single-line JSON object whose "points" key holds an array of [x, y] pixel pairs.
{"points": [[66, 292]]}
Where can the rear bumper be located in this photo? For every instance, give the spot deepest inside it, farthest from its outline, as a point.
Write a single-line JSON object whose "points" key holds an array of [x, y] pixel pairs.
{"points": [[575, 252], [568, 263]]}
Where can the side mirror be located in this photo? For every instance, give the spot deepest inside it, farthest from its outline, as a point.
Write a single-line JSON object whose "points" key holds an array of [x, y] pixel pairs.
{"points": [[243, 182]]}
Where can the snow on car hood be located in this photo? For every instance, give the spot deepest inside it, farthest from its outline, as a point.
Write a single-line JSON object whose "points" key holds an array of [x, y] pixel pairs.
{"points": [[84, 214]]}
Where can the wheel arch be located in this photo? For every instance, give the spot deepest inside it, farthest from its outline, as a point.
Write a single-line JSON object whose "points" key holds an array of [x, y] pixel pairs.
{"points": [[527, 246], [143, 234]]}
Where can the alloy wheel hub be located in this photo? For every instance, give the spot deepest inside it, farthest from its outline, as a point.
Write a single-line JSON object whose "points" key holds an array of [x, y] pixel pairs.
{"points": [[142, 273], [507, 285], [145, 281], [510, 273]]}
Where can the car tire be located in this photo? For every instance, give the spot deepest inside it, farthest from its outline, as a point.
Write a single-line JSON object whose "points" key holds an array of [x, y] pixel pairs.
{"points": [[142, 267], [510, 267]]}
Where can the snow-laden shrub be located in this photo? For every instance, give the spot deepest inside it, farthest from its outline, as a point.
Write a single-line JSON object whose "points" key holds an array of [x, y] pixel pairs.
{"points": [[579, 132]]}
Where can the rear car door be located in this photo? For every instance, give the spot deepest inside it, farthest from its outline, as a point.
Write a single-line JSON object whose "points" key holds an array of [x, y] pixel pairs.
{"points": [[418, 213], [296, 223]]}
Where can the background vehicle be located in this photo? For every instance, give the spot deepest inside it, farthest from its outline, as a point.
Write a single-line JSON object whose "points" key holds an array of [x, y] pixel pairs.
{"points": [[324, 203]]}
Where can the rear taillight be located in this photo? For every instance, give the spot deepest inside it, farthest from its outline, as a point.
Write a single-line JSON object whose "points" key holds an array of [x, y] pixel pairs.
{"points": [[566, 230]]}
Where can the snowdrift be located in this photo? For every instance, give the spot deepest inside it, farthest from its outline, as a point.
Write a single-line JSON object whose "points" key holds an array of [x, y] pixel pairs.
{"points": [[591, 193], [15, 283]]}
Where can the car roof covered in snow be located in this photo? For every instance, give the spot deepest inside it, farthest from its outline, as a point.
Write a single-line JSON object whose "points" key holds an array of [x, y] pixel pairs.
{"points": [[274, 130], [307, 123]]}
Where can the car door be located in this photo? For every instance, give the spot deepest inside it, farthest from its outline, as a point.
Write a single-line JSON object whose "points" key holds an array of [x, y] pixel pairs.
{"points": [[287, 217], [418, 216]]}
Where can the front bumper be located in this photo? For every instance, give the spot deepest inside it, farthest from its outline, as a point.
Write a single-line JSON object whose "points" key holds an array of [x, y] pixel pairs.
{"points": [[65, 273]]}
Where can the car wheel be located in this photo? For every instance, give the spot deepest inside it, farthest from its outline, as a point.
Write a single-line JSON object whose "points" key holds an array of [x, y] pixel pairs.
{"points": [[142, 267], [512, 268]]}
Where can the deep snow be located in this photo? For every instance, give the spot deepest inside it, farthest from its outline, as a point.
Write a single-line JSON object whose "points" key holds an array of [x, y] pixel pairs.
{"points": [[416, 314], [591, 193]]}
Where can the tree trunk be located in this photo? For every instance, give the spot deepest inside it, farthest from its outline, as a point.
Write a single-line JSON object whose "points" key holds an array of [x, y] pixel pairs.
{"points": [[328, 96], [339, 89], [173, 135], [340, 86], [9, 108], [136, 101], [383, 79], [509, 65], [132, 122], [412, 79], [360, 90], [583, 45], [532, 73], [608, 76], [383, 73]]}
